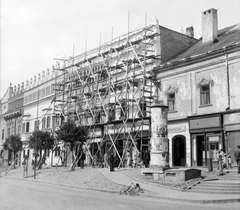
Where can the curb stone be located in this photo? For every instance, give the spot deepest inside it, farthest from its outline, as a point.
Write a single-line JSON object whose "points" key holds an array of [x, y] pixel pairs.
{"points": [[217, 201]]}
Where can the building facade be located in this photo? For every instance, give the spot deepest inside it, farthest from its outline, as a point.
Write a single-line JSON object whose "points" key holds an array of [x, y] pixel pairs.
{"points": [[39, 112], [200, 88], [110, 91]]}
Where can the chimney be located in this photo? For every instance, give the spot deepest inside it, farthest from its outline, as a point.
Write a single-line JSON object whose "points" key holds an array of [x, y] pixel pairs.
{"points": [[190, 31], [209, 26]]}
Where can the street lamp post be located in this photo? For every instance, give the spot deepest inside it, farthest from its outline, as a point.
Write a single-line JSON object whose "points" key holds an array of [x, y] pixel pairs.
{"points": [[35, 153]]}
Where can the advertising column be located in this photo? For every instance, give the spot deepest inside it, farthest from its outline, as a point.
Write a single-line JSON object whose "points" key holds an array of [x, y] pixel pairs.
{"points": [[159, 137]]}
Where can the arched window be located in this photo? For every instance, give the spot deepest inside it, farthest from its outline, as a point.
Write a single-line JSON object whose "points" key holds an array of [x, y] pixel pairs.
{"points": [[27, 127], [44, 123], [48, 121]]}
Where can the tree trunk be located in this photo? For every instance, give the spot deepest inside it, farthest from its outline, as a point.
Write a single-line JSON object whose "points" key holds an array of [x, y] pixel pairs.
{"points": [[75, 157], [40, 160], [14, 156]]}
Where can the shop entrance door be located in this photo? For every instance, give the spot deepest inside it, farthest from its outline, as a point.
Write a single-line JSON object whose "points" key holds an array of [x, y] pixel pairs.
{"points": [[179, 151], [200, 150]]}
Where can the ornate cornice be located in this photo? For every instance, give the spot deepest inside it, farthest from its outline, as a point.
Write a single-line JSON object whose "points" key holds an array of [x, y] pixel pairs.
{"points": [[205, 81], [171, 89]]}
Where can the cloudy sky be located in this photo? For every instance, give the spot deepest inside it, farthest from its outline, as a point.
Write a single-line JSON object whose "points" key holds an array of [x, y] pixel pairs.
{"points": [[33, 32]]}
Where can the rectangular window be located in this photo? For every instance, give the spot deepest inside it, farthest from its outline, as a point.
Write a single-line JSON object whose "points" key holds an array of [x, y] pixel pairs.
{"points": [[34, 97], [123, 110], [52, 89], [21, 102], [27, 127], [43, 122], [8, 132], [57, 152], [143, 107], [171, 102], [16, 104], [111, 113], [43, 93], [19, 129], [26, 100], [97, 117], [30, 98], [48, 90], [205, 95], [2, 134], [47, 152]]}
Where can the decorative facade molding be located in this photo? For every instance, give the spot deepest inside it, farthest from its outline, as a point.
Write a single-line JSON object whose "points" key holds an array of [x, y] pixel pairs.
{"points": [[205, 81], [171, 89]]}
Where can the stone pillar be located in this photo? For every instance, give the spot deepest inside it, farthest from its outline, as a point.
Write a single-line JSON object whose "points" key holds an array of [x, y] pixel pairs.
{"points": [[159, 137]]}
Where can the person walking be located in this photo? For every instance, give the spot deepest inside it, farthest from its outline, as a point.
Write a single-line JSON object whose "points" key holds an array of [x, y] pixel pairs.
{"points": [[220, 163], [146, 158], [135, 160], [229, 161], [82, 159], [105, 159], [111, 162], [128, 159], [237, 158], [218, 154], [225, 161]]}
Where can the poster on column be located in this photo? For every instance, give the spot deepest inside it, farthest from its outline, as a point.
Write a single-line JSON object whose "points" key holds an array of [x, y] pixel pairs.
{"points": [[165, 145], [159, 129]]}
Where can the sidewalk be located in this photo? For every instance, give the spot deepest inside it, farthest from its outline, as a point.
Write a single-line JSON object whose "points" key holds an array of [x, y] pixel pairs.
{"points": [[120, 177], [104, 180]]}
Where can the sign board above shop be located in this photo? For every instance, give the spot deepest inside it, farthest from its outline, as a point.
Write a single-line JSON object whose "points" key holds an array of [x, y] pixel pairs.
{"points": [[204, 122], [232, 121], [176, 128], [213, 138]]}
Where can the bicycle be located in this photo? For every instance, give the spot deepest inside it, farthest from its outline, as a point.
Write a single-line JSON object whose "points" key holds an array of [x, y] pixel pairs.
{"points": [[132, 189]]}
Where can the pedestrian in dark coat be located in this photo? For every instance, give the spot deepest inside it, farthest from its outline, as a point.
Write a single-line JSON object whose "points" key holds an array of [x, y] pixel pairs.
{"points": [[237, 158], [220, 163], [82, 159], [111, 162], [146, 158]]}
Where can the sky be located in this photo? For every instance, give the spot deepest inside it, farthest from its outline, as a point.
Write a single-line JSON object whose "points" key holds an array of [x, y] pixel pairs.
{"points": [[34, 32]]}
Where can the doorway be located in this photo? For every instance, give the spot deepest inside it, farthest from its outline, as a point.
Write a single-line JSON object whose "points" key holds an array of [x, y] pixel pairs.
{"points": [[200, 150], [179, 151]]}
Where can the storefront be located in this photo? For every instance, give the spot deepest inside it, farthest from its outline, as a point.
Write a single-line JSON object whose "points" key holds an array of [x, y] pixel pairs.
{"points": [[206, 139], [179, 144], [231, 122]]}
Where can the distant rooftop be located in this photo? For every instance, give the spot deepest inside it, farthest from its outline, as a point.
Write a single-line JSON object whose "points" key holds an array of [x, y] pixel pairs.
{"points": [[226, 37]]}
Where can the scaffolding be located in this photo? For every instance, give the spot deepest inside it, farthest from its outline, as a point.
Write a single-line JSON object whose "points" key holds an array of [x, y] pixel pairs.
{"points": [[110, 90]]}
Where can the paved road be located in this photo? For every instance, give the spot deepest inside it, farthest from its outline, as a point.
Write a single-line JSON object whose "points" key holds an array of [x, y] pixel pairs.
{"points": [[3, 169], [25, 195]]}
